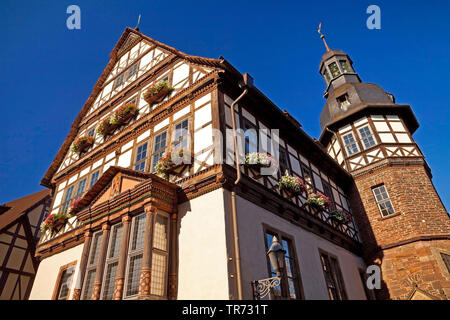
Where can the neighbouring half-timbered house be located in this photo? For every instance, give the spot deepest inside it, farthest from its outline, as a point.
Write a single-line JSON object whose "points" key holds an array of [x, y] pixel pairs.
{"points": [[20, 222], [202, 228]]}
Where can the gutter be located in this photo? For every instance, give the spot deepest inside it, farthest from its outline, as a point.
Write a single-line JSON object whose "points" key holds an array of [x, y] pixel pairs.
{"points": [[246, 84]]}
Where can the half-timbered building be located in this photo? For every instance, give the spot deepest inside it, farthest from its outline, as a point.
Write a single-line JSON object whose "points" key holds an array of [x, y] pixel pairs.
{"points": [[20, 222], [203, 230]]}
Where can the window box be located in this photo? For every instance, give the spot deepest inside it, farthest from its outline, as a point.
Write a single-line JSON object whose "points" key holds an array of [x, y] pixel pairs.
{"points": [[53, 221], [82, 143], [157, 92], [121, 116], [124, 114], [318, 201], [257, 160], [339, 217], [293, 186], [169, 164]]}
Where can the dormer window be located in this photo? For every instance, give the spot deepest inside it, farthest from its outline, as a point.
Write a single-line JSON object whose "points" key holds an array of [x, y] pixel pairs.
{"points": [[334, 69], [343, 101], [345, 67]]}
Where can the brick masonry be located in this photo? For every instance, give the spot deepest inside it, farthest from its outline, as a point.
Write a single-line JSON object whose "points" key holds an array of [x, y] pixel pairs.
{"points": [[407, 243]]}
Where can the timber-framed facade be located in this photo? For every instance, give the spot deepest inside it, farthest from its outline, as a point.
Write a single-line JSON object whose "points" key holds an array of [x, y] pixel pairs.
{"points": [[135, 235]]}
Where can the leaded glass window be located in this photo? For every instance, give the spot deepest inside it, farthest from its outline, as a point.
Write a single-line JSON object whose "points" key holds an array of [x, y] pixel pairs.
{"points": [[135, 255], [112, 261], [92, 265], [64, 283]]}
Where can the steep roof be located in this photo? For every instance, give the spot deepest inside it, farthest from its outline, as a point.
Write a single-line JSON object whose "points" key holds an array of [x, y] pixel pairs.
{"points": [[115, 53], [20, 206]]}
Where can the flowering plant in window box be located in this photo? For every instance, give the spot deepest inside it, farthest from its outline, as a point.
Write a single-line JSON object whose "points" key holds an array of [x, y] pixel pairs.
{"points": [[123, 114], [157, 92], [258, 160], [319, 201], [170, 161], [339, 216], [54, 220], [82, 143], [106, 127], [74, 206], [293, 185]]}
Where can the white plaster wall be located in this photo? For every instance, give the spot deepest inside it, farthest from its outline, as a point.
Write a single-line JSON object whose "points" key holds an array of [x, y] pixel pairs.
{"points": [[203, 272], [45, 281], [253, 253]]}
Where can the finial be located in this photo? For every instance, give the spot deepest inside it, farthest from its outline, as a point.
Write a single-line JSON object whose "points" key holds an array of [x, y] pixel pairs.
{"points": [[323, 37], [137, 26]]}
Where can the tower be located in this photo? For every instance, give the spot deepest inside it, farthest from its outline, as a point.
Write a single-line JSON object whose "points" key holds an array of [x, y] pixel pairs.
{"points": [[405, 229]]}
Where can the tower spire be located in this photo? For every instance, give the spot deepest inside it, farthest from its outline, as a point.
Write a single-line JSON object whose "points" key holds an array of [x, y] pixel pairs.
{"points": [[323, 37]]}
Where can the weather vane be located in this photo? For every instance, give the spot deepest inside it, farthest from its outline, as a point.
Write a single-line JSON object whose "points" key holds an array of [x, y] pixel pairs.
{"points": [[323, 37], [139, 20]]}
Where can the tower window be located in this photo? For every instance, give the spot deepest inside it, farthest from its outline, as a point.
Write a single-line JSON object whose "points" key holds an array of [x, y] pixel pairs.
{"points": [[350, 144], [446, 259], [383, 201], [367, 137], [326, 75], [345, 67], [334, 69], [343, 101]]}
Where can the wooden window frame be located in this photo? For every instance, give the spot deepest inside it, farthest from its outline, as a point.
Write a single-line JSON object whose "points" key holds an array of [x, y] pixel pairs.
{"points": [[180, 139], [248, 125], [355, 142], [131, 253], [308, 170], [58, 283], [383, 201], [366, 125], [110, 260], [154, 152], [340, 290], [90, 177], [369, 293], [91, 266], [64, 206], [166, 253], [142, 160], [282, 235]]}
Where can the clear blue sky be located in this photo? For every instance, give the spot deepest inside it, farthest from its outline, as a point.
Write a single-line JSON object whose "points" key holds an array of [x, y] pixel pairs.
{"points": [[47, 71]]}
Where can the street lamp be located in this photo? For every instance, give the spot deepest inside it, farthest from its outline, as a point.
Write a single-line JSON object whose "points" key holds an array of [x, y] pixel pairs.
{"points": [[263, 287], [276, 256]]}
